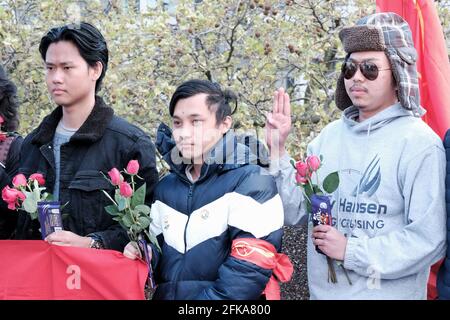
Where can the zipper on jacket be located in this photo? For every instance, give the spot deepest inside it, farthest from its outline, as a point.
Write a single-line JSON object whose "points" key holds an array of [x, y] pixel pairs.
{"points": [[189, 207]]}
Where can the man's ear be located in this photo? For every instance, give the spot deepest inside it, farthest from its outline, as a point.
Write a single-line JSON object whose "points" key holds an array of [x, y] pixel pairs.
{"points": [[226, 124], [97, 70]]}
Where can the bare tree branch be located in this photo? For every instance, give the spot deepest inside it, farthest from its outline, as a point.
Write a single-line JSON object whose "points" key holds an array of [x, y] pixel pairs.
{"points": [[233, 32], [316, 16]]}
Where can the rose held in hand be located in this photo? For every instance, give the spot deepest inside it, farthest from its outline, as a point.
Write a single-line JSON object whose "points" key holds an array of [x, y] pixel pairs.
{"points": [[318, 198], [116, 177], [126, 190], [302, 169], [38, 177], [11, 197], [128, 202], [300, 179], [26, 194], [303, 172], [133, 167], [19, 181], [313, 163]]}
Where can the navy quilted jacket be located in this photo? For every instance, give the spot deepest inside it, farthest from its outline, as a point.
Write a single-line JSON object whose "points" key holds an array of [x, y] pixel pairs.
{"points": [[195, 223]]}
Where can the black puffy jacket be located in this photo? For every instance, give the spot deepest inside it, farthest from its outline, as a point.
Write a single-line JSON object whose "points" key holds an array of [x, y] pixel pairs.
{"points": [[104, 141]]}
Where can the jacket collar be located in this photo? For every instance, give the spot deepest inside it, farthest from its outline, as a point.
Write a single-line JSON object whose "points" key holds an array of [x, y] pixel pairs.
{"points": [[227, 154], [91, 130]]}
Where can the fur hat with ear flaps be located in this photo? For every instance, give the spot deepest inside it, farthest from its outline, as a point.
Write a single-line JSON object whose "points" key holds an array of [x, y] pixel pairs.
{"points": [[386, 32]]}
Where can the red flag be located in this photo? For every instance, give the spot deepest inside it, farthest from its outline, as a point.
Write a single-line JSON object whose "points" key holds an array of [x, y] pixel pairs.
{"points": [[38, 270], [434, 72], [432, 64]]}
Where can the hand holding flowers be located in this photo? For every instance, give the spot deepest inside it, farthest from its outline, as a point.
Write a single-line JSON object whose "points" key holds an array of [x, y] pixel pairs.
{"points": [[328, 240], [30, 196], [129, 207], [130, 210], [25, 194]]}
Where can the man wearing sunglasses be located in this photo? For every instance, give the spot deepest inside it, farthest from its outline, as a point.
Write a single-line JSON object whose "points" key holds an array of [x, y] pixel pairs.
{"points": [[388, 224]]}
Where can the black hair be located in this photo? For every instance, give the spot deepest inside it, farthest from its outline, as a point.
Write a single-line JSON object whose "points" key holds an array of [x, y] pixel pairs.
{"points": [[87, 38], [9, 105], [216, 97]]}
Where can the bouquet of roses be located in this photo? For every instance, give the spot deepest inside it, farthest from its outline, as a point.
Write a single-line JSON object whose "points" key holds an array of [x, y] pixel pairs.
{"points": [[317, 197], [129, 209], [30, 196]]}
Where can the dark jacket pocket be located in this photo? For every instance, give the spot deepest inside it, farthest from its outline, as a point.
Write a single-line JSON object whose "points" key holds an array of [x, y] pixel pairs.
{"points": [[87, 201], [90, 180]]}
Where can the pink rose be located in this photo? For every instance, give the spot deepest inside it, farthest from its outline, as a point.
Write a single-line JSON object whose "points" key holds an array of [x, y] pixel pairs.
{"points": [[38, 177], [8, 194], [12, 206], [302, 169], [300, 179], [116, 177], [11, 197], [1, 120], [125, 190], [19, 181], [20, 195], [133, 167], [313, 163]]}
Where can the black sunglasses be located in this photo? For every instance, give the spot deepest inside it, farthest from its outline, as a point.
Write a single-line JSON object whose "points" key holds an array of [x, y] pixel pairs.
{"points": [[368, 69]]}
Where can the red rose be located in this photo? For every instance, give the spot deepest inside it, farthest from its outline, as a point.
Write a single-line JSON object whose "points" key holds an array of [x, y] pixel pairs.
{"points": [[133, 167], [19, 181], [9, 194], [126, 190], [2, 136], [38, 177], [300, 179], [1, 120], [302, 169], [116, 177], [11, 197], [313, 163]]}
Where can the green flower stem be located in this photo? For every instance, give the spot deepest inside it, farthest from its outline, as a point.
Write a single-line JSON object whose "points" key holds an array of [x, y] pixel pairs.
{"points": [[311, 185], [306, 196], [346, 275], [132, 237], [131, 232], [317, 177], [331, 272], [134, 219], [131, 211]]}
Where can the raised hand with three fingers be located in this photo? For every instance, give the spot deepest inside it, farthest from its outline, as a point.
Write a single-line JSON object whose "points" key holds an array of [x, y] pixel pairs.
{"points": [[278, 124]]}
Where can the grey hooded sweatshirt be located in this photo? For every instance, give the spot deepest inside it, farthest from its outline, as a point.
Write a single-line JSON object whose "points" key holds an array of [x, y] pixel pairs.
{"points": [[389, 204]]}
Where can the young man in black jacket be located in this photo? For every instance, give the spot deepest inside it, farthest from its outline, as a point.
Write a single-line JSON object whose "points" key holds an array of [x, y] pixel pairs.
{"points": [[80, 140]]}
